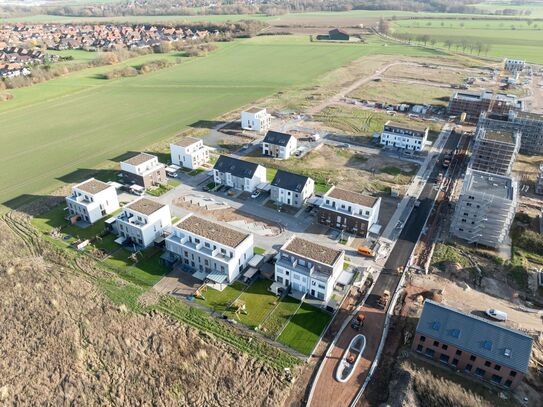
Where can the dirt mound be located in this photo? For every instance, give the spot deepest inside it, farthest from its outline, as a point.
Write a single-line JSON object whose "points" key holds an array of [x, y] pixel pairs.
{"points": [[63, 342]]}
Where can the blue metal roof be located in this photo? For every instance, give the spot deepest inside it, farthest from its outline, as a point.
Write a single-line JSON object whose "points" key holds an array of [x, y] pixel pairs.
{"points": [[470, 333]]}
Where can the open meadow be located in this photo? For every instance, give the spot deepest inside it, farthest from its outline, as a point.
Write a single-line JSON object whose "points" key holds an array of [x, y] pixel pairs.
{"points": [[507, 38], [55, 131]]}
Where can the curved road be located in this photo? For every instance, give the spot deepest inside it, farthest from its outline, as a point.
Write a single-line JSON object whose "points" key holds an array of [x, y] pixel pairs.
{"points": [[327, 391]]}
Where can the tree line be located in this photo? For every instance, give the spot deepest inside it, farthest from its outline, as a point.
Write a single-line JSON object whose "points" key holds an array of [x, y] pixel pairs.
{"points": [[463, 44]]}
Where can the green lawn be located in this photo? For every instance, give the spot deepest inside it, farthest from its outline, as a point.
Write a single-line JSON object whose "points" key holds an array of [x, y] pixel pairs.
{"points": [[280, 316], [259, 301], [83, 120], [220, 300], [524, 42], [270, 174], [259, 250], [305, 328]]}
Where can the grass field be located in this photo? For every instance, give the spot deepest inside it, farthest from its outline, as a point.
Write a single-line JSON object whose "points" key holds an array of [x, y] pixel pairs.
{"points": [[523, 42], [305, 328], [56, 131]]}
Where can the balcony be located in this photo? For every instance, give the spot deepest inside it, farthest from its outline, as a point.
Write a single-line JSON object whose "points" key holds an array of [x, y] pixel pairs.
{"points": [[295, 266], [131, 220], [346, 211], [183, 242]]}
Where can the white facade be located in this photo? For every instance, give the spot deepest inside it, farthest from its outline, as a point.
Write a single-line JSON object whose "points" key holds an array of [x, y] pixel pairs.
{"points": [[142, 221], [210, 250], [92, 200], [404, 137], [142, 165], [306, 274], [280, 151], [514, 65], [189, 153], [255, 119], [293, 198]]}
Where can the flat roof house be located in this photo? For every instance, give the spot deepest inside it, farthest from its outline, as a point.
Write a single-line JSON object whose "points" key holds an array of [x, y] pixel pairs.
{"points": [[494, 151], [238, 174], [485, 208], [404, 137], [291, 189], [91, 200], [308, 268], [530, 125], [349, 211], [255, 119], [279, 145], [475, 346], [215, 252], [473, 104], [142, 222], [144, 170], [189, 152]]}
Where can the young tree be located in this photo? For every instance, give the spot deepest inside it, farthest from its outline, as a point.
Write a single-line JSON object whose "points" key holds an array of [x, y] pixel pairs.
{"points": [[384, 26]]}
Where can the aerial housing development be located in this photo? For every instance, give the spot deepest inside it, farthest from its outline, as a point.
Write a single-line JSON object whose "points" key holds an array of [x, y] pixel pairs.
{"points": [[271, 203]]}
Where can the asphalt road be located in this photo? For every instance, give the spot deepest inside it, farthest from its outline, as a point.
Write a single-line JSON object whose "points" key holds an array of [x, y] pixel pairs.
{"points": [[399, 256]]}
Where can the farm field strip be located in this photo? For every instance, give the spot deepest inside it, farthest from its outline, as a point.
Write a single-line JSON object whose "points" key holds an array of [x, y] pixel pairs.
{"points": [[74, 132]]}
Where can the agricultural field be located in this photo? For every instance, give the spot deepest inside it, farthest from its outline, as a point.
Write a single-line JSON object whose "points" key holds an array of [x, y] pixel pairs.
{"points": [[84, 120], [508, 38], [394, 93]]}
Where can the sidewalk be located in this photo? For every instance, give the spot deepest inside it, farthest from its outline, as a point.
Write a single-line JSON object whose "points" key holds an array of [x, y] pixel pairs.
{"points": [[407, 203]]}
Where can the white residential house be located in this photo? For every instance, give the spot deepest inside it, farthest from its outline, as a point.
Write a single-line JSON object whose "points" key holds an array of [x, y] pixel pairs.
{"points": [[144, 170], [308, 268], [238, 174], [291, 189], [217, 253], [404, 137], [189, 152], [255, 119], [142, 222], [349, 211], [279, 145], [91, 200]]}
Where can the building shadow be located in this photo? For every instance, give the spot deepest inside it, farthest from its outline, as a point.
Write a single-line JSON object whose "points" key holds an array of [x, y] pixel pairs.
{"points": [[33, 204], [82, 174]]}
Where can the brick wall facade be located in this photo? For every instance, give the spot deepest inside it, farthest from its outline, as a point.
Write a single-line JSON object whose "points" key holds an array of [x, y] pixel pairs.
{"points": [[341, 221], [470, 364]]}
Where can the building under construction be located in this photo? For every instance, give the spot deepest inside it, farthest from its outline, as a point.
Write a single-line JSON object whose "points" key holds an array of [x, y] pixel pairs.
{"points": [[473, 104], [485, 208], [530, 126], [495, 151]]}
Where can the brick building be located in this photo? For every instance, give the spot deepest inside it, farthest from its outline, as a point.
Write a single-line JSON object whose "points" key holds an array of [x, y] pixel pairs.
{"points": [[475, 346], [473, 104]]}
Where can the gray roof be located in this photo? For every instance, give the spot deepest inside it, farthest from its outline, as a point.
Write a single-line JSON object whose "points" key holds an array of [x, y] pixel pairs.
{"points": [[480, 182], [275, 137], [476, 335], [289, 181], [238, 168]]}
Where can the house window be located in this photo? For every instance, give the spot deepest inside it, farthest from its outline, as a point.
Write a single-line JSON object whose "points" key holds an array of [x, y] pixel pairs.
{"points": [[458, 352], [508, 383], [497, 367], [422, 338], [480, 372], [472, 358], [429, 352], [496, 379], [455, 362], [512, 373], [419, 348], [487, 363], [436, 343], [279, 279], [444, 358], [444, 347], [468, 368]]}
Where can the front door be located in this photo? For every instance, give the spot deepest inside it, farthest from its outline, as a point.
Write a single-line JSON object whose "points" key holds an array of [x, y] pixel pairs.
{"points": [[312, 293]]}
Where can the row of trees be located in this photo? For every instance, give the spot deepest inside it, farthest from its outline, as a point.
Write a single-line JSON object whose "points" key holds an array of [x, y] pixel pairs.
{"points": [[463, 44]]}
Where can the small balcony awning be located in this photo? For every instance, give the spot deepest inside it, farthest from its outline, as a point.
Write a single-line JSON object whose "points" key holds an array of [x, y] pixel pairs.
{"points": [[120, 240], [217, 277]]}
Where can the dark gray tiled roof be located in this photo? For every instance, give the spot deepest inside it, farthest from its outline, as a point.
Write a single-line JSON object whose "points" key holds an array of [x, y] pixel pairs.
{"points": [[238, 168], [289, 181], [476, 335], [277, 138]]}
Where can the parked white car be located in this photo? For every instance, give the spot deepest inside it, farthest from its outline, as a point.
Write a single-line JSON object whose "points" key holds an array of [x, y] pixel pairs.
{"points": [[496, 314]]}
